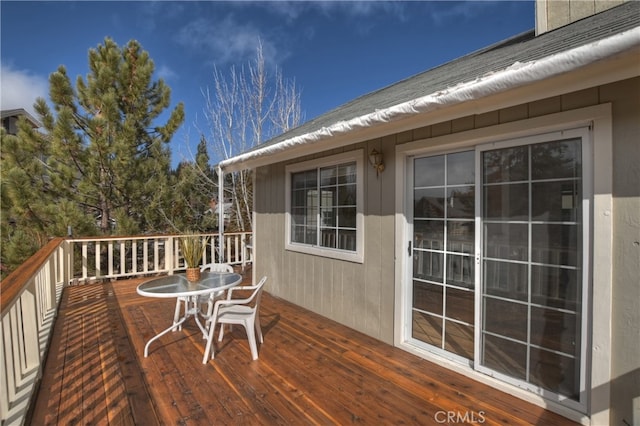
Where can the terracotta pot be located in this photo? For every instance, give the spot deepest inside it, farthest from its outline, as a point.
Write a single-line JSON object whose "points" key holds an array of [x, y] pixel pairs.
{"points": [[193, 274]]}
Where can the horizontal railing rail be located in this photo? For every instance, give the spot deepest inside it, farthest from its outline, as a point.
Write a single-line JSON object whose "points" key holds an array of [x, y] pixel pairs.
{"points": [[31, 294]]}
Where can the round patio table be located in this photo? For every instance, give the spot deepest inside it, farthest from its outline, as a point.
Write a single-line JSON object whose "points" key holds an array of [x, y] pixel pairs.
{"points": [[173, 286]]}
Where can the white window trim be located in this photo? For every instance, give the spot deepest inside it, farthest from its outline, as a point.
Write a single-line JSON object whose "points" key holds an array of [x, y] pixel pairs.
{"points": [[351, 256], [599, 325]]}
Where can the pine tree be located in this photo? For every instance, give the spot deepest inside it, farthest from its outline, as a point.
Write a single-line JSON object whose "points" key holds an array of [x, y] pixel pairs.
{"points": [[196, 195], [100, 165], [106, 155]]}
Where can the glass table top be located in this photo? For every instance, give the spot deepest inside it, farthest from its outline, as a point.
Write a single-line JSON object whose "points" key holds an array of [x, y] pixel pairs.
{"points": [[178, 285]]}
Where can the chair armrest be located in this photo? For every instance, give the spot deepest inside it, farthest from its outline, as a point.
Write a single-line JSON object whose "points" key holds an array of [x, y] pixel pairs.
{"points": [[233, 301], [232, 289]]}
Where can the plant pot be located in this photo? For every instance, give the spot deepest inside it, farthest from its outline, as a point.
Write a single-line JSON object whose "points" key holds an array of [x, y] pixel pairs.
{"points": [[193, 274]]}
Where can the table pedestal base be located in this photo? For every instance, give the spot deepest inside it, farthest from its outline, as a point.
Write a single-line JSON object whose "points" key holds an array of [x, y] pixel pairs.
{"points": [[191, 311]]}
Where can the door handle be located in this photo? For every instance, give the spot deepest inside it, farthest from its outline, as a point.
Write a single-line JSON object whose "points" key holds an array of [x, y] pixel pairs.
{"points": [[409, 249]]}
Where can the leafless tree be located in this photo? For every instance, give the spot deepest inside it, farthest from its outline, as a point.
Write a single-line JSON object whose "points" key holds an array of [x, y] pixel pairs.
{"points": [[244, 109]]}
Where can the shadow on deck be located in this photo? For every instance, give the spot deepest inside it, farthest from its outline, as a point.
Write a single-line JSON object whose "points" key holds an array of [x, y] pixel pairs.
{"points": [[311, 370]]}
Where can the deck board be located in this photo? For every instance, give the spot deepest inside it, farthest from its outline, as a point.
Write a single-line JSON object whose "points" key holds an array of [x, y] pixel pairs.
{"points": [[311, 370]]}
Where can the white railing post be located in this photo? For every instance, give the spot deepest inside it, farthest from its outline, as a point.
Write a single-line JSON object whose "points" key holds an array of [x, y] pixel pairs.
{"points": [[69, 269], [85, 249], [243, 252], [170, 257], [221, 214]]}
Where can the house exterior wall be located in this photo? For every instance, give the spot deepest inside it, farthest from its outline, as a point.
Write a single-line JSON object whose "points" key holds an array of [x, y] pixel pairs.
{"points": [[362, 295], [552, 14], [625, 390], [348, 292], [9, 123]]}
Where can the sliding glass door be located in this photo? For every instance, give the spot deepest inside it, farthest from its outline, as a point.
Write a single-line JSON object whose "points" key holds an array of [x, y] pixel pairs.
{"points": [[498, 273], [443, 252]]}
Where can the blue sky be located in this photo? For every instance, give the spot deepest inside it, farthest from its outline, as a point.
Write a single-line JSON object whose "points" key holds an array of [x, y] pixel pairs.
{"points": [[335, 51]]}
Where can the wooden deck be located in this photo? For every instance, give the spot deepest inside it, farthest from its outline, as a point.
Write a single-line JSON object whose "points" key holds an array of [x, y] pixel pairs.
{"points": [[311, 370]]}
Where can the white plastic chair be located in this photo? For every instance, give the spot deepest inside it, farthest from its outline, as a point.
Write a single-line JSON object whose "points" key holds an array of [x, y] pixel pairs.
{"points": [[245, 312], [213, 267]]}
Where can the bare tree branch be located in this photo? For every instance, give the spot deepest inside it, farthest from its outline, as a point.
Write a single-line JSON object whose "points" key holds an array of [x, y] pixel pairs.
{"points": [[246, 108]]}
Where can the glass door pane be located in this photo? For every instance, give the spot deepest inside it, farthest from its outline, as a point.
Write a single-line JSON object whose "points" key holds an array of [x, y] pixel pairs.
{"points": [[443, 252], [532, 219]]}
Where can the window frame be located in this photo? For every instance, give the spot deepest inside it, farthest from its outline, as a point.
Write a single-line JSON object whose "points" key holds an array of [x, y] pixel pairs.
{"points": [[356, 156]]}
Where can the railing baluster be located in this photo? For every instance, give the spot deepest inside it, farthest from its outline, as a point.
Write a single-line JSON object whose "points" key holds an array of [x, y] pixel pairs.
{"points": [[145, 255], [29, 331], [4, 378], [96, 256], [156, 254], [134, 257], [11, 349], [84, 260], [18, 341], [169, 262], [243, 251], [123, 269], [110, 257]]}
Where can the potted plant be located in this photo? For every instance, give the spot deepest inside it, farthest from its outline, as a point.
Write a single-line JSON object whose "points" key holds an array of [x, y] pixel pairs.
{"points": [[192, 247]]}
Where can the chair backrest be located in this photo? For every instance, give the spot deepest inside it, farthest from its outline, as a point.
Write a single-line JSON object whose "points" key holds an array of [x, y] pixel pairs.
{"points": [[217, 267], [254, 298], [258, 292]]}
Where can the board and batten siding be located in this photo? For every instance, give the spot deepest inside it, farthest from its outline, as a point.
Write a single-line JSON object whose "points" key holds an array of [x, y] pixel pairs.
{"points": [[625, 325], [359, 295], [552, 14]]}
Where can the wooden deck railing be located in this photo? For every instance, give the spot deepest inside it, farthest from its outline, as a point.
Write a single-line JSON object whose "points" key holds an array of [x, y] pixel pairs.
{"points": [[121, 257], [30, 297]]}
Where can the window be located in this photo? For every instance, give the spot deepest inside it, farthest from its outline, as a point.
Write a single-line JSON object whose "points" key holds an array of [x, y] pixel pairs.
{"points": [[324, 206]]}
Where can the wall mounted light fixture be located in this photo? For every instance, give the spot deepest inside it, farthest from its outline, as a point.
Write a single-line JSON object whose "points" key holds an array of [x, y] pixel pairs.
{"points": [[376, 160]]}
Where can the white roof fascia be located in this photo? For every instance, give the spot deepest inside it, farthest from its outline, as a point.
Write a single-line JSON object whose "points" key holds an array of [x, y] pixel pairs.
{"points": [[513, 77]]}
